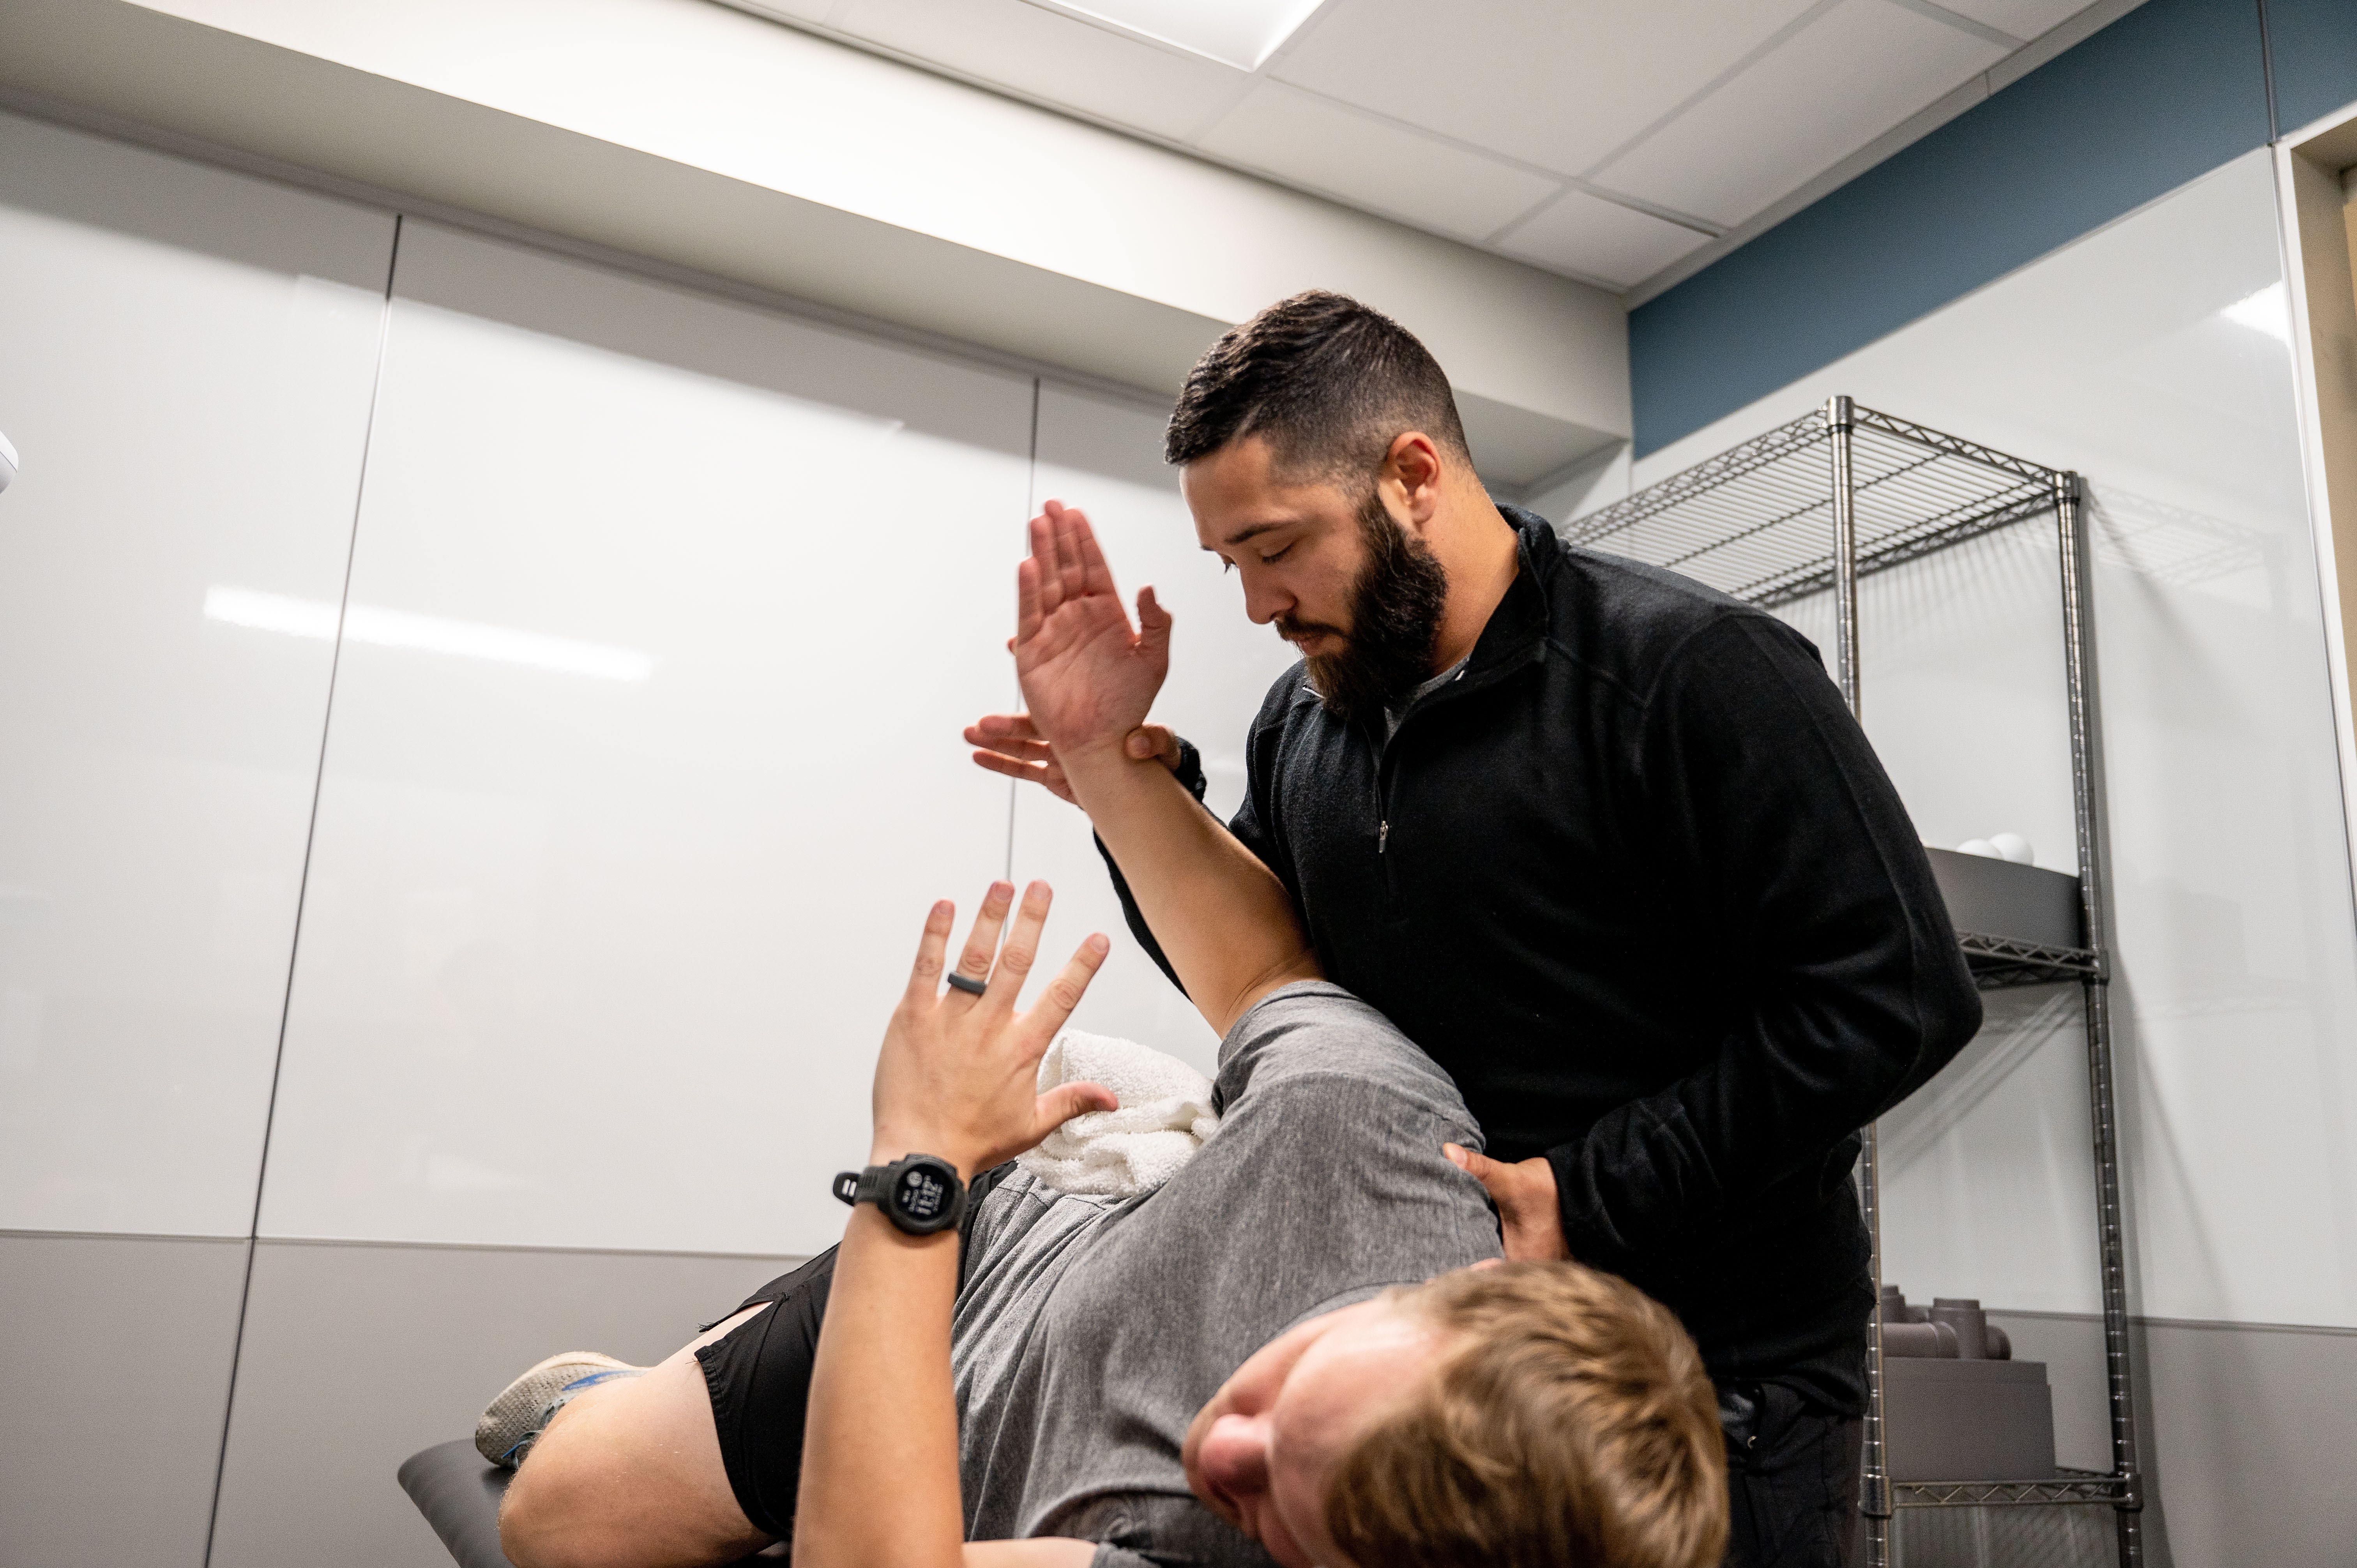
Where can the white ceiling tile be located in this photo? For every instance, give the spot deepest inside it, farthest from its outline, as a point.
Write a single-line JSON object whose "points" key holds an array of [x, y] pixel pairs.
{"points": [[795, 10], [1374, 164], [1600, 239], [1054, 58], [1560, 83], [1834, 86], [2025, 20]]}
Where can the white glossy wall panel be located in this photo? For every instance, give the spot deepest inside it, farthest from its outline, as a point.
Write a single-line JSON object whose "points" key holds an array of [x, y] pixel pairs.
{"points": [[1107, 459], [185, 368], [665, 614], [2149, 356]]}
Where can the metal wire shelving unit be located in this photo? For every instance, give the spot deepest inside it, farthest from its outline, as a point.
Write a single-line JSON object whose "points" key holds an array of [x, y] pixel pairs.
{"points": [[1809, 508]]}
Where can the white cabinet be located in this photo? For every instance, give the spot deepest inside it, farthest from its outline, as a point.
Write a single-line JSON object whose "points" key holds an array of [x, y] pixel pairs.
{"points": [[665, 613], [185, 367]]}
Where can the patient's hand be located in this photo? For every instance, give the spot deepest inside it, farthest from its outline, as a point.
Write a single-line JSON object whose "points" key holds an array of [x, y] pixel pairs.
{"points": [[1011, 744], [958, 1074], [1087, 676]]}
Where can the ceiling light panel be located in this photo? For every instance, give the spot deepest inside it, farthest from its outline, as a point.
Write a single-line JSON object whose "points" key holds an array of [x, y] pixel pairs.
{"points": [[1240, 33]]}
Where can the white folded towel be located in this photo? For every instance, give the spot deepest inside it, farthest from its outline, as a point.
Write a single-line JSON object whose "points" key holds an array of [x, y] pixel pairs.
{"points": [[1165, 1113]]}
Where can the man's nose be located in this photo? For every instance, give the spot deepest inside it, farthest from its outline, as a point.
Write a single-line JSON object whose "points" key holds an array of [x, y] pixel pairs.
{"points": [[1264, 600]]}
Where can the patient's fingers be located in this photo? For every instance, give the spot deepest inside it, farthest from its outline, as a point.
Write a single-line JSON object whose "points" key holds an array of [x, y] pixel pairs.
{"points": [[1063, 994], [925, 976], [1022, 947], [1066, 1101], [982, 941]]}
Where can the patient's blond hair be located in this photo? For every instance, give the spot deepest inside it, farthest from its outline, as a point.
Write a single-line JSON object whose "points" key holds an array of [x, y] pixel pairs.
{"points": [[1569, 1423]]}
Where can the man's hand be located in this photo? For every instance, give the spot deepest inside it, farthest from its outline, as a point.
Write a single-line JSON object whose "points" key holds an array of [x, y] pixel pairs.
{"points": [[1525, 1196], [1011, 744], [958, 1074]]}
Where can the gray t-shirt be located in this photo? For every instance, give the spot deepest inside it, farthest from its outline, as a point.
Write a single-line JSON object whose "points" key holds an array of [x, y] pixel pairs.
{"points": [[1089, 1331], [1393, 715]]}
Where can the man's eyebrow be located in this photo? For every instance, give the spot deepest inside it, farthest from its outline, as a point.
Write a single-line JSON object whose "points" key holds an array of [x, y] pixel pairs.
{"points": [[1255, 532]]}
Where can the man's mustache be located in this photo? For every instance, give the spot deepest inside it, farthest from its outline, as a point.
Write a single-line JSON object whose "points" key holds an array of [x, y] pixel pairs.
{"points": [[1293, 630]]}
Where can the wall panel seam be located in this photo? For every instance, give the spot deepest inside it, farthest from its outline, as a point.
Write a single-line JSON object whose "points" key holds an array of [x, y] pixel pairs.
{"points": [[303, 885]]}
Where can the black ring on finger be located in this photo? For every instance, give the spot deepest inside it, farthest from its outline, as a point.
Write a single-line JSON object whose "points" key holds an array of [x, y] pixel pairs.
{"points": [[967, 983]]}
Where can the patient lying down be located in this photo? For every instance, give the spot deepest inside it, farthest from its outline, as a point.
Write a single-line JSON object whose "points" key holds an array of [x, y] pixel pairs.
{"points": [[1259, 1352], [1302, 1346]]}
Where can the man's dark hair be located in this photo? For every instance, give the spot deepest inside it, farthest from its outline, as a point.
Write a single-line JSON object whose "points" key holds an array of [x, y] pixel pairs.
{"points": [[1329, 384]]}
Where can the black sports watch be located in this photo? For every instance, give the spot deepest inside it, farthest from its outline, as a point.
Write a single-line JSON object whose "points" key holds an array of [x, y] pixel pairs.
{"points": [[920, 1194]]}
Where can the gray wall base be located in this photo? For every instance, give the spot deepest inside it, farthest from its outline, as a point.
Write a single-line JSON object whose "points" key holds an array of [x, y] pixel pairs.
{"points": [[2247, 1430], [115, 1368], [357, 1356]]}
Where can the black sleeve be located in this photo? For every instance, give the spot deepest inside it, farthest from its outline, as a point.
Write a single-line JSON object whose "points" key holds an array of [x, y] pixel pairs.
{"points": [[1260, 749], [1768, 813]]}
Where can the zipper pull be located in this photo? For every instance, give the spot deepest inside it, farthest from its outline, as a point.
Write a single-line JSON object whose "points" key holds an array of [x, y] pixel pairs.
{"points": [[1383, 836]]}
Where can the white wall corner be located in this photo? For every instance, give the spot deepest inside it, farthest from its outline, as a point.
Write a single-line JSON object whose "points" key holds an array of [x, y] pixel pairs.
{"points": [[698, 136]]}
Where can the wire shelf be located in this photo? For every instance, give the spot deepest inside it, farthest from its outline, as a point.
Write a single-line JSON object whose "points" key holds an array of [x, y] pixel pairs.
{"points": [[1998, 962], [2064, 1488], [1757, 521], [1812, 506]]}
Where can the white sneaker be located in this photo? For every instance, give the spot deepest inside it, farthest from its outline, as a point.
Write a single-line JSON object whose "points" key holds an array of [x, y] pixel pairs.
{"points": [[513, 1422]]}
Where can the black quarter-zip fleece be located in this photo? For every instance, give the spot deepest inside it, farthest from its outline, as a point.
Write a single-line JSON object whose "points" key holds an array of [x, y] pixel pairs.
{"points": [[1636, 881]]}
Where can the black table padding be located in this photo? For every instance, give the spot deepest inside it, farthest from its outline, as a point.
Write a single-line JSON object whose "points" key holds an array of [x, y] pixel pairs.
{"points": [[460, 1496], [1997, 899]]}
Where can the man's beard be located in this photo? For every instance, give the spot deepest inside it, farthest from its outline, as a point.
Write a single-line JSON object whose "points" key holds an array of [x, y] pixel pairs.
{"points": [[1395, 608]]}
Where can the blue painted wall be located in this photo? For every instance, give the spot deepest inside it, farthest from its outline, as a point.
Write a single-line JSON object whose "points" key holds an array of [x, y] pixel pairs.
{"points": [[2167, 93]]}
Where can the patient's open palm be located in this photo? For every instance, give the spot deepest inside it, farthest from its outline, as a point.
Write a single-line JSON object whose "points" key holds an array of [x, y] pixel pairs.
{"points": [[1088, 677]]}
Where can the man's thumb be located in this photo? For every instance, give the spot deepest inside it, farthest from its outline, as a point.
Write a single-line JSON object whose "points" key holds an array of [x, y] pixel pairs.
{"points": [[1478, 1166]]}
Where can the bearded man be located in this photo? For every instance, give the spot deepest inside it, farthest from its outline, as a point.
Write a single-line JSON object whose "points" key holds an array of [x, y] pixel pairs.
{"points": [[1605, 844]]}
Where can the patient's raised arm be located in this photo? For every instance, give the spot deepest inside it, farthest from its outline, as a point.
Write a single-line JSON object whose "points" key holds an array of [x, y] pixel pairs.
{"points": [[1221, 917]]}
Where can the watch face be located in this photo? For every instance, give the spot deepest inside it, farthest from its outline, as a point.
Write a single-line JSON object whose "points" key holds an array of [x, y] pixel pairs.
{"points": [[920, 1194]]}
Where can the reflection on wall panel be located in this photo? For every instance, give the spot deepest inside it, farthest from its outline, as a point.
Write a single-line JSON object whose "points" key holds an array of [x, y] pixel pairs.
{"points": [[1107, 459], [644, 765], [185, 369], [2153, 355]]}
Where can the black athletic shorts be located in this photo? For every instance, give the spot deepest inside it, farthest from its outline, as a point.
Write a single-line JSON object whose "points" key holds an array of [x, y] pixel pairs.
{"points": [[759, 1375]]}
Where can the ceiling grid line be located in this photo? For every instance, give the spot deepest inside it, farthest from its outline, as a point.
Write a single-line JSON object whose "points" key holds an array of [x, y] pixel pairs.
{"points": [[1569, 134]]}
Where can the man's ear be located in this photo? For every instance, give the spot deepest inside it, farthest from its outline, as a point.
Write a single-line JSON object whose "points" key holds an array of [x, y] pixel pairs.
{"points": [[1413, 463]]}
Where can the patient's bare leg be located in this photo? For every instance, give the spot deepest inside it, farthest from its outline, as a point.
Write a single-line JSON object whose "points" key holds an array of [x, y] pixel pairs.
{"points": [[629, 1476]]}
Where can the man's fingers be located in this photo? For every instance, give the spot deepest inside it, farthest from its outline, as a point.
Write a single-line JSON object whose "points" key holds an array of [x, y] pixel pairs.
{"points": [[1015, 746], [1066, 1101], [1047, 775], [925, 975], [1157, 743], [983, 939], [1497, 1180], [997, 726], [1013, 767]]}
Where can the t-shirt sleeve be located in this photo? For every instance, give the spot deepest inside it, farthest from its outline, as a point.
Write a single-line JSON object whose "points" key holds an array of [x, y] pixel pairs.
{"points": [[1767, 804]]}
